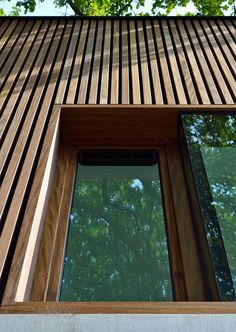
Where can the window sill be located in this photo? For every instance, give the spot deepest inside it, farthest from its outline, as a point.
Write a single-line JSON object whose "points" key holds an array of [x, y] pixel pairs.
{"points": [[120, 308]]}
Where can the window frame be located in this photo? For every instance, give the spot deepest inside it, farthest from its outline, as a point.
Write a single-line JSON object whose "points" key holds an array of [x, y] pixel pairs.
{"points": [[52, 282], [172, 152], [165, 142]]}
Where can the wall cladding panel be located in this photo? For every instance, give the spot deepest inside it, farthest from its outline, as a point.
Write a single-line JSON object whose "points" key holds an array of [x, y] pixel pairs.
{"points": [[48, 61]]}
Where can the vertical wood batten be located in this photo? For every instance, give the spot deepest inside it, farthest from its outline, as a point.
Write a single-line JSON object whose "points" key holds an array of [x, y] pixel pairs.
{"points": [[203, 66], [42, 63], [29, 97], [69, 61], [213, 66], [183, 64], [95, 70], [158, 94], [83, 87], [231, 28], [125, 86], [7, 29], [77, 65], [103, 96], [35, 135], [134, 64], [115, 63], [9, 40], [228, 35], [228, 55], [4, 25], [199, 85], [22, 65], [174, 69], [164, 67], [18, 258], [228, 80], [11, 58], [146, 85]]}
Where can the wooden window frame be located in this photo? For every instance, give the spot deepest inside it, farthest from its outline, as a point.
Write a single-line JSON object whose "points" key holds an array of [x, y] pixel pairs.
{"points": [[157, 127]]}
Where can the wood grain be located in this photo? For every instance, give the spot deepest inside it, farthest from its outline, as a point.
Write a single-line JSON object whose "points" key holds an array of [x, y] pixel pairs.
{"points": [[121, 308], [104, 93], [134, 64], [189, 250], [115, 63]]}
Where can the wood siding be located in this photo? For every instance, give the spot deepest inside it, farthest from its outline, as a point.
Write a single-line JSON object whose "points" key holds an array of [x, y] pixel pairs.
{"points": [[51, 61]]}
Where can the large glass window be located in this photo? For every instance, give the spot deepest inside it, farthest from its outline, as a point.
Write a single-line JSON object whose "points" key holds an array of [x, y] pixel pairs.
{"points": [[117, 247], [211, 142]]}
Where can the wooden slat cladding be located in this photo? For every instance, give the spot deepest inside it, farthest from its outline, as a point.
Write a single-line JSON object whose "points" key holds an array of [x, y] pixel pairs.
{"points": [[126, 61], [48, 61]]}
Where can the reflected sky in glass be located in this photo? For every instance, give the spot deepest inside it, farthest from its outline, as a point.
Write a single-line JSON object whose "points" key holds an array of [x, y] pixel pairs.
{"points": [[116, 247]]}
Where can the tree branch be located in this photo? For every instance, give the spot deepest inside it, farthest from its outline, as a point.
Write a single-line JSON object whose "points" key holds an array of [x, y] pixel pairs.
{"points": [[124, 7], [75, 8]]}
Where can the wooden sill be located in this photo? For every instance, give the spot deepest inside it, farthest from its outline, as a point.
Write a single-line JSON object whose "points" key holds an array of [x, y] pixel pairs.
{"points": [[120, 308]]}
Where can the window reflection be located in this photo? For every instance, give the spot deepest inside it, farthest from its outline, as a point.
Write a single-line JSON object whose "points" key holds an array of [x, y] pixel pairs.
{"points": [[116, 247], [212, 145]]}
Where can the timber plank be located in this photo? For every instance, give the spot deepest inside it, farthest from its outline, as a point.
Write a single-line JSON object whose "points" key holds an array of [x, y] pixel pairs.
{"points": [[29, 160], [9, 38], [192, 269], [183, 65], [228, 55], [173, 63], [93, 88], [6, 29], [227, 76], [103, 97], [153, 63], [164, 67], [73, 83], [42, 272], [12, 57], [56, 264], [205, 72], [65, 77], [213, 64], [146, 84], [199, 84], [87, 64], [29, 93], [22, 85], [134, 64], [231, 28], [19, 65], [121, 307], [18, 259], [125, 90], [115, 64]]}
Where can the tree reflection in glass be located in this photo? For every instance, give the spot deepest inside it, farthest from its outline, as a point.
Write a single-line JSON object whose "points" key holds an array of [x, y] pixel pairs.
{"points": [[116, 247], [212, 145]]}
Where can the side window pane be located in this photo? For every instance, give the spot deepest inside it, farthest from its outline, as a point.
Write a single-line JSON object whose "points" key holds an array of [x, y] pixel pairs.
{"points": [[211, 142], [116, 247]]}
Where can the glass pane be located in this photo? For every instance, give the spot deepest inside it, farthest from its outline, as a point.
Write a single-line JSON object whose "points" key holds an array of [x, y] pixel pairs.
{"points": [[212, 144], [116, 247]]}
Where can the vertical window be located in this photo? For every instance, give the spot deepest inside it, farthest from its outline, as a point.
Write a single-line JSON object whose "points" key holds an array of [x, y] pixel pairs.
{"points": [[211, 141], [116, 245]]}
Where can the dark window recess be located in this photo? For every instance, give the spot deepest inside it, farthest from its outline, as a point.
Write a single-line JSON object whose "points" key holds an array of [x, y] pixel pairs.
{"points": [[117, 157]]}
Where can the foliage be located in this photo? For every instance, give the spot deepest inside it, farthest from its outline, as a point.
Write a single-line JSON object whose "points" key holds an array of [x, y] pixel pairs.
{"points": [[130, 7], [212, 146], [117, 247]]}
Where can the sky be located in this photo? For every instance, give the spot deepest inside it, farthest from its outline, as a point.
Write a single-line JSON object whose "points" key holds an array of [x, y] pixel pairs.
{"points": [[47, 8]]}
